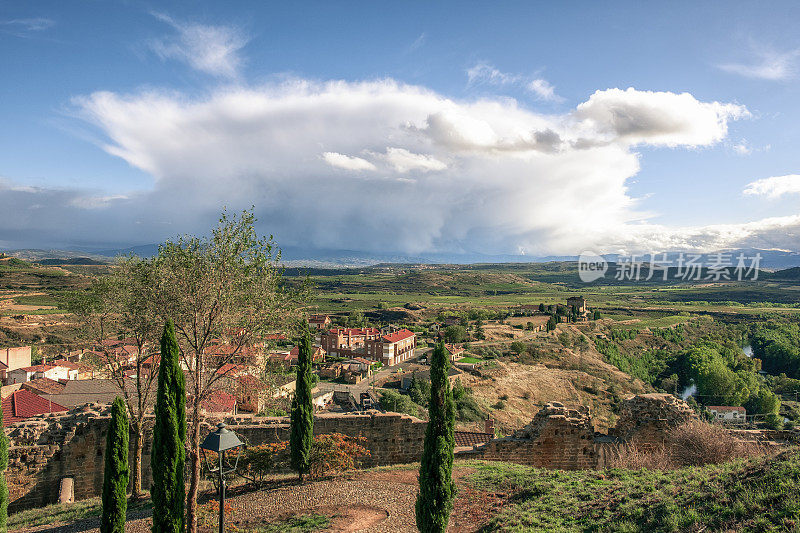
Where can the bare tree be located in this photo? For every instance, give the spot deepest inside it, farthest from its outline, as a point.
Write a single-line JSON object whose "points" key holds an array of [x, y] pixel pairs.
{"points": [[224, 293], [122, 305]]}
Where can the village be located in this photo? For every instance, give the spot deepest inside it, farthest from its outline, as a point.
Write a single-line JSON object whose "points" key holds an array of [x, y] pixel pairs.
{"points": [[349, 363]]}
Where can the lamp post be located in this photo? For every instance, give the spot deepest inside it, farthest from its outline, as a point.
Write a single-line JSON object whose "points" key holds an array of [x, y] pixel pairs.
{"points": [[219, 442]]}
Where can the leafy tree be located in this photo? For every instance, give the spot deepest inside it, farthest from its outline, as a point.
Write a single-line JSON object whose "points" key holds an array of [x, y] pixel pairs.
{"points": [[399, 403], [3, 466], [455, 334], [356, 319], [419, 391], [169, 435], [773, 421], [335, 452], [597, 315], [121, 305], [777, 344], [115, 474], [717, 383], [302, 430], [541, 308], [467, 407], [518, 347], [764, 402], [226, 286], [436, 487]]}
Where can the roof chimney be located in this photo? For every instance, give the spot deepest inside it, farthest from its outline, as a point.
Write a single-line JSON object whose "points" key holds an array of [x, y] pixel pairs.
{"points": [[489, 425]]}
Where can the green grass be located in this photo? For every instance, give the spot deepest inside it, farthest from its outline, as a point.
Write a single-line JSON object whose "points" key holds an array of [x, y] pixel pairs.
{"points": [[296, 524], [37, 299], [58, 513], [34, 312], [55, 513], [468, 359], [754, 496]]}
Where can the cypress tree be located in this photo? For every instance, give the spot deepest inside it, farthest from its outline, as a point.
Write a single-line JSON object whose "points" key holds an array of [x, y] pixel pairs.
{"points": [[436, 487], [169, 434], [3, 466], [115, 475], [302, 434]]}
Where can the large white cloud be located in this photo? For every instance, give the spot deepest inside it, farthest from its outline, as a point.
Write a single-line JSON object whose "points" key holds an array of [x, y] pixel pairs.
{"points": [[774, 187], [382, 166], [657, 118]]}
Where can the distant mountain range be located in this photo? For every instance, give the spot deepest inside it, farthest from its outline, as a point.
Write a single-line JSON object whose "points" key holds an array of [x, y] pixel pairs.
{"points": [[295, 256]]}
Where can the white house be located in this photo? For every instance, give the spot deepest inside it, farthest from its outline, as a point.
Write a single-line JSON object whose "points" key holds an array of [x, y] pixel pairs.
{"points": [[54, 372], [728, 415]]}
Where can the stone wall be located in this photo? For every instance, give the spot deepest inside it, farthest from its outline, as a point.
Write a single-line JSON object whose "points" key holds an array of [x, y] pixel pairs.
{"points": [[564, 438], [46, 449], [557, 437], [649, 416]]}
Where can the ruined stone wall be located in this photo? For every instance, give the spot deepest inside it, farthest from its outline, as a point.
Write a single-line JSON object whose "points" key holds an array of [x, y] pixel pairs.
{"points": [[46, 449], [391, 438], [648, 416], [558, 437], [563, 438]]}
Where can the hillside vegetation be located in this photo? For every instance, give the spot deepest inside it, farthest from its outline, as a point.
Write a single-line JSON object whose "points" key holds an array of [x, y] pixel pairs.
{"points": [[757, 495]]}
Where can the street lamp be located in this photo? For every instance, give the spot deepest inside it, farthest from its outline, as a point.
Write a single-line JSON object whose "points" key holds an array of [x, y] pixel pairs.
{"points": [[219, 442]]}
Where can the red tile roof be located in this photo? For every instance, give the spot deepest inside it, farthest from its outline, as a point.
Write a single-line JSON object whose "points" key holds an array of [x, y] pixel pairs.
{"points": [[24, 404], [726, 409], [37, 368], [249, 382], [282, 356], [219, 402], [454, 349], [230, 368], [152, 360], [354, 331], [80, 367], [44, 386], [274, 337], [398, 336], [471, 438]]}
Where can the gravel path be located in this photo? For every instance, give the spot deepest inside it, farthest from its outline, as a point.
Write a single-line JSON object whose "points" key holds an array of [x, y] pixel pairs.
{"points": [[397, 499], [364, 499]]}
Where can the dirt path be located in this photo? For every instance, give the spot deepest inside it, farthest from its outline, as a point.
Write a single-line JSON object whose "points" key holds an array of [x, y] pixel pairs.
{"points": [[370, 502]]}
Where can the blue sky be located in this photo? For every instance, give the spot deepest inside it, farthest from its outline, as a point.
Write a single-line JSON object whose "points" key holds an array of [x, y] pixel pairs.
{"points": [[104, 108]]}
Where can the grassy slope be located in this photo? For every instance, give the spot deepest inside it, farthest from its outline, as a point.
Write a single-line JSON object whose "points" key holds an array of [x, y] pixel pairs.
{"points": [[756, 495]]}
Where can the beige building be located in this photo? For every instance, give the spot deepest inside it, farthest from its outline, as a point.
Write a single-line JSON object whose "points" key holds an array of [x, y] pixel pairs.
{"points": [[393, 348], [13, 359]]}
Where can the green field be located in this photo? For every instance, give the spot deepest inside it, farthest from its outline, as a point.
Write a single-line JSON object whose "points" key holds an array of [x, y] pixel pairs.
{"points": [[510, 285]]}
